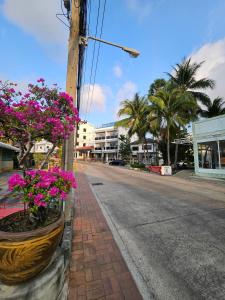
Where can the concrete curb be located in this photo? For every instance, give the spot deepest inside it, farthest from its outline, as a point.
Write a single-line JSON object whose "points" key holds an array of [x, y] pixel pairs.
{"points": [[137, 276]]}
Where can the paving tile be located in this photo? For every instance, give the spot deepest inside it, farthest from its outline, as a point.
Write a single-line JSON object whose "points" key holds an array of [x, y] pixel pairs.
{"points": [[97, 269]]}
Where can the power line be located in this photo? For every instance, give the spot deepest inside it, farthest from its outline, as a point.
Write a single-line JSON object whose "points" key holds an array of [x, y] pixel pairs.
{"points": [[86, 55], [99, 45], [92, 63]]}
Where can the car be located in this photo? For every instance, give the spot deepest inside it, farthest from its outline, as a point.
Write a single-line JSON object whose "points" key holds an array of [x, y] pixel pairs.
{"points": [[182, 165], [117, 162]]}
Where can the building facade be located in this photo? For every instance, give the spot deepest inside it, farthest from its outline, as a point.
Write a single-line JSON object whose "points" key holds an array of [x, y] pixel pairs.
{"points": [[8, 159], [106, 142], [145, 152], [84, 141], [103, 143], [209, 147], [42, 146]]}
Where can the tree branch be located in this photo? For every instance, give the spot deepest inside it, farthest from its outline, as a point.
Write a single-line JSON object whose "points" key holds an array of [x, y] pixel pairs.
{"points": [[50, 151]]}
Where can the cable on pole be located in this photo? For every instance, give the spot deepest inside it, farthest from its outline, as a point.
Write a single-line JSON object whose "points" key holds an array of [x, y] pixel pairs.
{"points": [[93, 56], [99, 45]]}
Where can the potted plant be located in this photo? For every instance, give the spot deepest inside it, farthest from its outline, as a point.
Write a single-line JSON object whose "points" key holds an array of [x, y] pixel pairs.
{"points": [[29, 238]]}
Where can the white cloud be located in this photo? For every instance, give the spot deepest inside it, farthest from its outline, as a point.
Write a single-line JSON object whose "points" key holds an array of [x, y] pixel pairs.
{"points": [[118, 72], [96, 100], [214, 66], [127, 91], [140, 8], [37, 18]]}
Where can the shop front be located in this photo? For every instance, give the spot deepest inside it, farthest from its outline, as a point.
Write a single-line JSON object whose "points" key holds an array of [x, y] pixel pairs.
{"points": [[209, 147]]}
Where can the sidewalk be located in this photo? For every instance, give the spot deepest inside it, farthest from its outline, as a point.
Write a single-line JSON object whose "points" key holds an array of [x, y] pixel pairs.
{"points": [[8, 200], [97, 269]]}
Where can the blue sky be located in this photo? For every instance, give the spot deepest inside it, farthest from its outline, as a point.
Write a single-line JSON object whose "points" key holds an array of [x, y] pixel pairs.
{"points": [[34, 44]]}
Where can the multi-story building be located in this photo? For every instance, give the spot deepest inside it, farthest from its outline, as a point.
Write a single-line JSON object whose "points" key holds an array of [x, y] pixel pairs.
{"points": [[84, 140], [102, 143], [145, 152], [106, 143]]}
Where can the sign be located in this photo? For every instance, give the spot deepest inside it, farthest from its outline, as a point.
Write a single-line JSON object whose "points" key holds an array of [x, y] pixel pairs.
{"points": [[166, 170]]}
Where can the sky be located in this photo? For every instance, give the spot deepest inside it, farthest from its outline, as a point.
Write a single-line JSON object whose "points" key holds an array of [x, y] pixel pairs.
{"points": [[34, 44]]}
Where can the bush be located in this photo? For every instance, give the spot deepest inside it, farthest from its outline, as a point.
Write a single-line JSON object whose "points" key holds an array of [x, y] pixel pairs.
{"points": [[138, 166]]}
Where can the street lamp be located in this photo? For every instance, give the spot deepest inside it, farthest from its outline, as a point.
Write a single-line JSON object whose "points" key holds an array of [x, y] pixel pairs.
{"points": [[132, 52]]}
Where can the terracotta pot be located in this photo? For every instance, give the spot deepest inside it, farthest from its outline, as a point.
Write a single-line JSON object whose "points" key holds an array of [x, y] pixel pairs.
{"points": [[25, 254]]}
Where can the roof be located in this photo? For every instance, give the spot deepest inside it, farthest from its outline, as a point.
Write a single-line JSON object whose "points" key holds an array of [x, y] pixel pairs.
{"points": [[149, 141], [85, 148], [9, 147]]}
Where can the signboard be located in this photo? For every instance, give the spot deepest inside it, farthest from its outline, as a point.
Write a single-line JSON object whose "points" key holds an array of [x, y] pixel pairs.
{"points": [[166, 170]]}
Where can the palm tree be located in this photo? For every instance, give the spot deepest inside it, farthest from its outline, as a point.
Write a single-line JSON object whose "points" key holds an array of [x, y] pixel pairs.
{"points": [[184, 77], [156, 85], [171, 107], [136, 113], [214, 108]]}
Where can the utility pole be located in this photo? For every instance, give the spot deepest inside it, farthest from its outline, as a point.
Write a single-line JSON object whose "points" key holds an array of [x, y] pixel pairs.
{"points": [[71, 88]]}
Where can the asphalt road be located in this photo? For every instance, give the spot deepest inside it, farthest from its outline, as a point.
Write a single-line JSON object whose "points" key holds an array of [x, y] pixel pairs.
{"points": [[172, 230]]}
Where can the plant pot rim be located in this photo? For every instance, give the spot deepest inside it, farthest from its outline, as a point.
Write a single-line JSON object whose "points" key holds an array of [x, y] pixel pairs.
{"points": [[26, 235]]}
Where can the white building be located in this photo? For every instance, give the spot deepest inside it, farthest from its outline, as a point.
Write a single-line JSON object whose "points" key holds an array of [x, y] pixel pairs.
{"points": [[106, 143], [209, 147], [84, 140], [41, 147], [141, 151], [102, 143]]}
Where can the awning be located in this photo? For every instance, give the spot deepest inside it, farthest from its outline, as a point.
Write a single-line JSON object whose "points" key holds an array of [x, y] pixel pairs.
{"points": [[85, 148], [9, 147]]}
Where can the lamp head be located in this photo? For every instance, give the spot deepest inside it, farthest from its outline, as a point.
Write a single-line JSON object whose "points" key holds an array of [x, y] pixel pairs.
{"points": [[132, 52]]}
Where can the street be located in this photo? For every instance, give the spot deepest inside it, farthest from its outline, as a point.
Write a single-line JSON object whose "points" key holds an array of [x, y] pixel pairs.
{"points": [[171, 230]]}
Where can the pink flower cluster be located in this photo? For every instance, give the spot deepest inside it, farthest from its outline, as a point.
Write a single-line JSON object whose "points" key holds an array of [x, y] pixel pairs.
{"points": [[40, 187], [16, 181], [40, 112]]}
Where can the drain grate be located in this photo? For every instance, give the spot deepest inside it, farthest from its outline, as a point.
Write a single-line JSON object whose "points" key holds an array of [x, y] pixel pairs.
{"points": [[97, 183]]}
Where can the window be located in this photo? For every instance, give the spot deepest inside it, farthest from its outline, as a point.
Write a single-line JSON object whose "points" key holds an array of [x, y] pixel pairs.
{"points": [[84, 130], [77, 144], [77, 135], [208, 156], [84, 137], [147, 147], [135, 148], [84, 144]]}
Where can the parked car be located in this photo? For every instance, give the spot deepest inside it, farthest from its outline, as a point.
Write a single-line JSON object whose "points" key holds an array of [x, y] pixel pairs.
{"points": [[182, 165], [117, 162]]}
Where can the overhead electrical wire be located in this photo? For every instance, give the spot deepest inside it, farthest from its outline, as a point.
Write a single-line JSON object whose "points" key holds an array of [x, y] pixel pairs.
{"points": [[93, 56], [85, 57], [99, 45]]}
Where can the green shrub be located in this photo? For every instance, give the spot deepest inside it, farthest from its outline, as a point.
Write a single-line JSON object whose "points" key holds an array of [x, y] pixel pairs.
{"points": [[138, 165]]}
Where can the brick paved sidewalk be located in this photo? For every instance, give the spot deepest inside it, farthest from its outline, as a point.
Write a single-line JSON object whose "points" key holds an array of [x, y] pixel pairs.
{"points": [[97, 270]]}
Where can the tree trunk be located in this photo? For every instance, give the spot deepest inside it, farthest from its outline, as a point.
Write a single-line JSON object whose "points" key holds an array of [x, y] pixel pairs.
{"points": [[168, 146], [23, 155], [47, 157], [176, 154]]}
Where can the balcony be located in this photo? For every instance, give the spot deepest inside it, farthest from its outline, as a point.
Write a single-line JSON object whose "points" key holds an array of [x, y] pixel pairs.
{"points": [[108, 137]]}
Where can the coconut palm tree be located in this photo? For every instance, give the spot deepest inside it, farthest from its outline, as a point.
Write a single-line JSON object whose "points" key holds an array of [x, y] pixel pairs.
{"points": [[214, 108], [156, 85], [171, 107], [136, 113], [184, 77]]}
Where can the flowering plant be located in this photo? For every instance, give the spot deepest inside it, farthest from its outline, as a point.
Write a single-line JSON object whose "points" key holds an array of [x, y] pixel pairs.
{"points": [[39, 113], [42, 189]]}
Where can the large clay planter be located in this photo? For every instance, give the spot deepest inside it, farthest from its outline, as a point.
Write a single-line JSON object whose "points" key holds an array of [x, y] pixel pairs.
{"points": [[25, 254]]}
